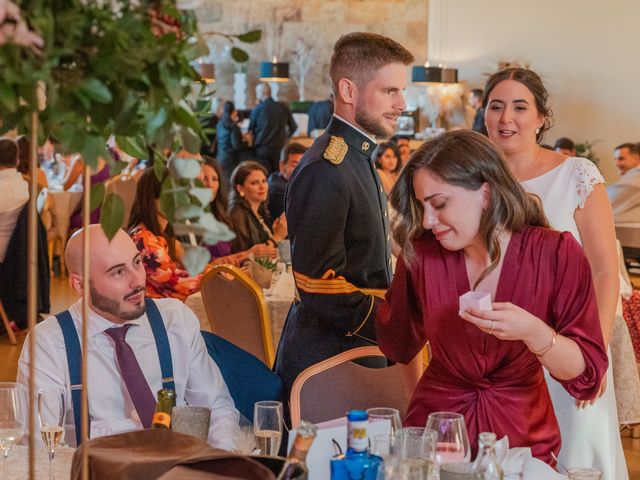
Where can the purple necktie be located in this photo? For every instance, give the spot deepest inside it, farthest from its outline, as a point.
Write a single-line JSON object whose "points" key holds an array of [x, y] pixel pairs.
{"points": [[137, 385]]}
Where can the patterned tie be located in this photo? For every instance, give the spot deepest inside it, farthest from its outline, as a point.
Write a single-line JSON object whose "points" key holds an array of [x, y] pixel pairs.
{"points": [[137, 385]]}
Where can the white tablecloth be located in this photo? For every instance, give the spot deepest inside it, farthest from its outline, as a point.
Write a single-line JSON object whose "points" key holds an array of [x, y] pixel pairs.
{"points": [[18, 463]]}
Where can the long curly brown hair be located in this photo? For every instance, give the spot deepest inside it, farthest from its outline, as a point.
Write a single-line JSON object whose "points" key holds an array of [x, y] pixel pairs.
{"points": [[465, 159]]}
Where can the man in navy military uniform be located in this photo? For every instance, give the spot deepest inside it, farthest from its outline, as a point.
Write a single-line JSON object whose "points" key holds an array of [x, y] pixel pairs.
{"points": [[337, 211]]}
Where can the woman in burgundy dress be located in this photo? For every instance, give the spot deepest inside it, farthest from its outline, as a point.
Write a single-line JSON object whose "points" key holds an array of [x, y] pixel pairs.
{"points": [[465, 224]]}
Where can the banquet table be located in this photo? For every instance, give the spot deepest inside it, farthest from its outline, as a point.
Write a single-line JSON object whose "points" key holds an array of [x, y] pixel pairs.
{"points": [[278, 297], [18, 463]]}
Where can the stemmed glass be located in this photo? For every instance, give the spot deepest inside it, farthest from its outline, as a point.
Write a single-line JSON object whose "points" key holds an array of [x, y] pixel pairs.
{"points": [[13, 418], [452, 439], [267, 426], [51, 411], [386, 414]]}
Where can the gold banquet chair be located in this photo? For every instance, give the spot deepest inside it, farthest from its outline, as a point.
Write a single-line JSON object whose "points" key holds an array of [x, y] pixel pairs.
{"points": [[328, 389], [237, 311], [125, 187]]}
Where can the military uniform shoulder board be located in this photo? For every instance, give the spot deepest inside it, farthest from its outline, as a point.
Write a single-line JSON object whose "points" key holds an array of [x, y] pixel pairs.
{"points": [[336, 150]]}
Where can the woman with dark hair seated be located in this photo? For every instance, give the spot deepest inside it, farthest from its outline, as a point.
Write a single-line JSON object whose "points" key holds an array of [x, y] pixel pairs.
{"points": [[160, 250], [248, 210], [387, 160], [212, 178]]}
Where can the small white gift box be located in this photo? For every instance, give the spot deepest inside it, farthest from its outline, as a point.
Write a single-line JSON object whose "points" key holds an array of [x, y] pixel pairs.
{"points": [[478, 300]]}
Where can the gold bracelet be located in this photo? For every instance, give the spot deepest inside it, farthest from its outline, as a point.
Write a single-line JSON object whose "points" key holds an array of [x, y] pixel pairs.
{"points": [[546, 350]]}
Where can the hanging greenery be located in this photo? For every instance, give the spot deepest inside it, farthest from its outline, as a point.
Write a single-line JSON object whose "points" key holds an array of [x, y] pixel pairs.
{"points": [[121, 68]]}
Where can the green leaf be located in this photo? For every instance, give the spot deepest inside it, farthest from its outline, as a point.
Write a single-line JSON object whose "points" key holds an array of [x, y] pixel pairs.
{"points": [[195, 259], [185, 167], [97, 196], [171, 81], [190, 140], [186, 118], [133, 146], [112, 215], [94, 147], [239, 55], [203, 195], [96, 90], [156, 121], [8, 97], [250, 37]]}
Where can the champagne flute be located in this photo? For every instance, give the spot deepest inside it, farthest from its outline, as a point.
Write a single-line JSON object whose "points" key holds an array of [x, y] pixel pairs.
{"points": [[452, 439], [267, 426], [51, 411], [13, 418]]}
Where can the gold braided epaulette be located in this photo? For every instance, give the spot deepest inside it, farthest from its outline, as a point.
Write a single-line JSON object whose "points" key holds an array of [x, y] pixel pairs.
{"points": [[336, 150]]}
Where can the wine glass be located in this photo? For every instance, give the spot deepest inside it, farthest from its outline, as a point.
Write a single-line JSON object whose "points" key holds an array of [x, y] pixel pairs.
{"points": [[51, 410], [386, 414], [13, 418], [267, 426], [452, 439]]}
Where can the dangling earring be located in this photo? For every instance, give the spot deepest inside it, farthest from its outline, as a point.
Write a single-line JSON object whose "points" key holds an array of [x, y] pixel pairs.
{"points": [[537, 131]]}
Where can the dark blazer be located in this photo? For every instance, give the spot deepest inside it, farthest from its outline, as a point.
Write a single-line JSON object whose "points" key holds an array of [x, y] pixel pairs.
{"points": [[231, 147], [14, 271], [277, 187], [271, 124], [338, 226], [320, 115], [248, 229]]}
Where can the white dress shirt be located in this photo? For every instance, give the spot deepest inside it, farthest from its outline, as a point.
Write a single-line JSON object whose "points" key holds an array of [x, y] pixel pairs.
{"points": [[624, 196], [15, 193], [197, 378]]}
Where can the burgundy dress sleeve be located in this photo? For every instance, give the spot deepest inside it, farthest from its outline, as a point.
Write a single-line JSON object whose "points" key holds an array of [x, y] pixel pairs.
{"points": [[399, 320], [576, 317]]}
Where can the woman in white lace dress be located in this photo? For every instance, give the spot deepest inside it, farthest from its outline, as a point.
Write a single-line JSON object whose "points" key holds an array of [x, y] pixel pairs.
{"points": [[572, 191]]}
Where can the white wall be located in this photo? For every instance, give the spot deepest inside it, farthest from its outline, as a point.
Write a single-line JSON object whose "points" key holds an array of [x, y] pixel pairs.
{"points": [[587, 51]]}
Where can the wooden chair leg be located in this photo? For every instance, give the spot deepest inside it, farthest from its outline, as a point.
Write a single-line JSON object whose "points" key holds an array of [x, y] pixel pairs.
{"points": [[7, 325]]}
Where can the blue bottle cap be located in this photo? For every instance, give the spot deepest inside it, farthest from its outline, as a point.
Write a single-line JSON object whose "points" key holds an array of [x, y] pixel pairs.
{"points": [[357, 415]]}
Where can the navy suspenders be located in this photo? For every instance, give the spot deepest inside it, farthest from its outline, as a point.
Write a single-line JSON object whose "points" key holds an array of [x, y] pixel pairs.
{"points": [[74, 356]]}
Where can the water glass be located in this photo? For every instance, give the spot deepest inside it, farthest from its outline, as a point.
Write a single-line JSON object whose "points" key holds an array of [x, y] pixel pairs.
{"points": [[267, 426], [584, 474], [390, 415], [13, 418], [452, 439], [388, 446]]}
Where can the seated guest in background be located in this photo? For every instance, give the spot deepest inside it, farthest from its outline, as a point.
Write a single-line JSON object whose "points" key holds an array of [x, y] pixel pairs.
{"points": [[624, 194], [212, 178], [124, 373], [320, 114], [24, 162], [387, 160], [464, 223], [248, 210], [289, 159], [15, 192], [159, 248], [565, 145], [475, 101], [74, 172], [271, 123], [404, 147], [232, 149]]}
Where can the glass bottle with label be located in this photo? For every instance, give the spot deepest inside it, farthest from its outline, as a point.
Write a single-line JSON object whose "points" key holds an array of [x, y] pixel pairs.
{"points": [[295, 466], [162, 415], [358, 463]]}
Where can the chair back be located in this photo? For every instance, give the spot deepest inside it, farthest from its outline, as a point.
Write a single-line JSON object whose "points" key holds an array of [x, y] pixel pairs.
{"points": [[328, 389], [248, 379], [237, 311], [125, 187]]}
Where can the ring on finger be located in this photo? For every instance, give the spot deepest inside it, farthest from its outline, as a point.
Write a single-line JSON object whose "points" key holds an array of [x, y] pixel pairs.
{"points": [[492, 325]]}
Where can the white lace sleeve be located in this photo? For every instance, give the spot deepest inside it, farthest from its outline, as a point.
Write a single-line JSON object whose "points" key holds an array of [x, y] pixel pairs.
{"points": [[586, 176]]}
